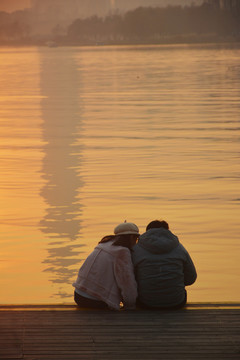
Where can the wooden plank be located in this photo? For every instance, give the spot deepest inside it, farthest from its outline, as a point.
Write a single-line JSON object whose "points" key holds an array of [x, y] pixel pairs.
{"points": [[133, 355], [37, 333]]}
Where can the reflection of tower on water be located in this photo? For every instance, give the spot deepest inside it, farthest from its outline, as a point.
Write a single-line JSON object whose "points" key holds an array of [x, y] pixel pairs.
{"points": [[61, 163]]}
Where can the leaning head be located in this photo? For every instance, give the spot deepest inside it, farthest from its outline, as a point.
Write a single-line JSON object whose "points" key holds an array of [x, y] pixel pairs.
{"points": [[126, 228], [126, 234], [157, 224]]}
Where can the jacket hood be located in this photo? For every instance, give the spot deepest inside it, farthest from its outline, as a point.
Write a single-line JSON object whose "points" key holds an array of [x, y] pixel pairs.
{"points": [[158, 241]]}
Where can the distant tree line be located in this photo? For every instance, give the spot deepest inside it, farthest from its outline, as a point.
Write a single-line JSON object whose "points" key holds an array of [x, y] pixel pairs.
{"points": [[144, 24], [14, 26], [154, 23]]}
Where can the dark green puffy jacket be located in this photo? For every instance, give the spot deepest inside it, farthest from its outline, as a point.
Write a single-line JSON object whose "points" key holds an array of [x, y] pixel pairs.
{"points": [[163, 268]]}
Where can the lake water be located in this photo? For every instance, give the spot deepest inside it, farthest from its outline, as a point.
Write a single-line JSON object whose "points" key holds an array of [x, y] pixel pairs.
{"points": [[91, 136]]}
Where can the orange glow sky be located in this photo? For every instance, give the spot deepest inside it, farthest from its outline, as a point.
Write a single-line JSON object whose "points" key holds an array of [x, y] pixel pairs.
{"points": [[12, 5]]}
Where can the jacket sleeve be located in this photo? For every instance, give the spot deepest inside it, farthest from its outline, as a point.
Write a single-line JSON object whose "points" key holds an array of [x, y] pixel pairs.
{"points": [[124, 275], [190, 274]]}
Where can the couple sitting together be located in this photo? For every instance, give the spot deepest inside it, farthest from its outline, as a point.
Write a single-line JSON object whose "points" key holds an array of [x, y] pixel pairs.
{"points": [[151, 272]]}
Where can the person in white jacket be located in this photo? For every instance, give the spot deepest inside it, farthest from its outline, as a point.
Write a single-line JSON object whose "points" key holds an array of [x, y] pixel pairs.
{"points": [[106, 278]]}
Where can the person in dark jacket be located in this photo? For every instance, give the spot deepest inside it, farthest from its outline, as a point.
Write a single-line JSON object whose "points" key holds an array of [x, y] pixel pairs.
{"points": [[163, 268]]}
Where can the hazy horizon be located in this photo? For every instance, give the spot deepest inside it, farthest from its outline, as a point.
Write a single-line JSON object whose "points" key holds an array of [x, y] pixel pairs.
{"points": [[14, 5]]}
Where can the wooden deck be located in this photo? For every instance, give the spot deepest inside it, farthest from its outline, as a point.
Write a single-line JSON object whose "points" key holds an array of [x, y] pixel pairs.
{"points": [[201, 331]]}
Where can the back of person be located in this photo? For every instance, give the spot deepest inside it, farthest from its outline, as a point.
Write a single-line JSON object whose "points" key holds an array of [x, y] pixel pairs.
{"points": [[106, 277], [163, 268]]}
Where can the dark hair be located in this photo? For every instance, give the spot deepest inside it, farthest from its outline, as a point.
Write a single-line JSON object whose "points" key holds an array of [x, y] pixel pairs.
{"points": [[157, 224], [107, 238], [120, 240]]}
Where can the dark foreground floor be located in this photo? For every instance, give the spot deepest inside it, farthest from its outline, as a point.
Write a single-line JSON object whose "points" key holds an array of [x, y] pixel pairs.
{"points": [[205, 331]]}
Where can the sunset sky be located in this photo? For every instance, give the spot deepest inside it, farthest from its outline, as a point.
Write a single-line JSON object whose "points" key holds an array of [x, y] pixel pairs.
{"points": [[12, 5]]}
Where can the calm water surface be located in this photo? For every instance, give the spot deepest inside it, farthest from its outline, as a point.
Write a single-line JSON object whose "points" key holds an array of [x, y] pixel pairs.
{"points": [[93, 136]]}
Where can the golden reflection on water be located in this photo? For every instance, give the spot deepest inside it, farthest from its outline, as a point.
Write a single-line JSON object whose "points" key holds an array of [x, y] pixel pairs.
{"points": [[61, 114], [93, 136]]}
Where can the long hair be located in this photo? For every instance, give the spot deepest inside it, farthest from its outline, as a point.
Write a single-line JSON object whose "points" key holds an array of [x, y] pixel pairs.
{"points": [[119, 240], [107, 238]]}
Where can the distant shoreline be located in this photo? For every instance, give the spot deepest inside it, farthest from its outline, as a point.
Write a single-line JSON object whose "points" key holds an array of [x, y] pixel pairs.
{"points": [[170, 40]]}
